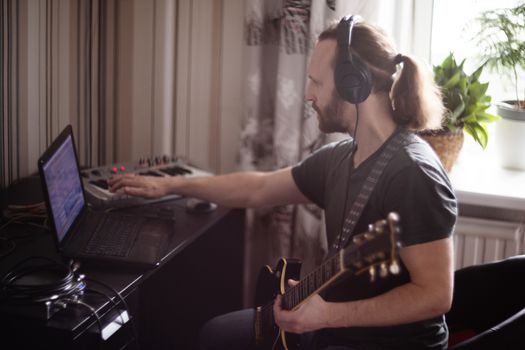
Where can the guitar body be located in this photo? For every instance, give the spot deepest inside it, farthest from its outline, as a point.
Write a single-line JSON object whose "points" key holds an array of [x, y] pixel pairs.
{"points": [[271, 283], [373, 252]]}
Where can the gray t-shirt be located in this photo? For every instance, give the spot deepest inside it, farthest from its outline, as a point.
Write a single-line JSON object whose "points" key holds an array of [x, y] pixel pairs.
{"points": [[413, 184]]}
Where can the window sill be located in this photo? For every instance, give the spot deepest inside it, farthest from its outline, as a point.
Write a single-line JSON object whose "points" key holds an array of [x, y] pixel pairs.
{"points": [[480, 180]]}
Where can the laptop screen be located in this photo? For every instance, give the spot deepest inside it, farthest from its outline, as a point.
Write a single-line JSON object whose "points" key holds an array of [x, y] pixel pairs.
{"points": [[64, 187]]}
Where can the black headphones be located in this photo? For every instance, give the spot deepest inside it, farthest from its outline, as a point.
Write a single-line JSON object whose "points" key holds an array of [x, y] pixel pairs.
{"points": [[351, 75]]}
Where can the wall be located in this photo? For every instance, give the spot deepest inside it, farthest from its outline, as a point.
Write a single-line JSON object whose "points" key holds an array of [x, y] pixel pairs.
{"points": [[135, 78]]}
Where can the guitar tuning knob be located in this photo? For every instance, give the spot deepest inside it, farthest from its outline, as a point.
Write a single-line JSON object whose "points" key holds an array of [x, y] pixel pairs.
{"points": [[394, 267], [383, 271], [372, 273]]}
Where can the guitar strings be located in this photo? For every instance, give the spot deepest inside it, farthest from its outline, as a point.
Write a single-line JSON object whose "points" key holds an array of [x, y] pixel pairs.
{"points": [[309, 275], [276, 340]]}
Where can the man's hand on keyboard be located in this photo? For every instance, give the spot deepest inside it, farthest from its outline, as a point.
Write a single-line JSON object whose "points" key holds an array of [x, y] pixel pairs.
{"points": [[138, 185]]}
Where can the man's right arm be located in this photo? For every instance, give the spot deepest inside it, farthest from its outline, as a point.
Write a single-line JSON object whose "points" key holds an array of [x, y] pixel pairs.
{"points": [[242, 189]]}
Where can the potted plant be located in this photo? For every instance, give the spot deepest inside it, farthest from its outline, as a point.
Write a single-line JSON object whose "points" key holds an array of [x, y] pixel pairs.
{"points": [[501, 39], [466, 103]]}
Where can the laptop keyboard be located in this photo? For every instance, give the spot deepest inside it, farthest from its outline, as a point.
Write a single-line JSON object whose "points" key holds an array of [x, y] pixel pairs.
{"points": [[115, 236]]}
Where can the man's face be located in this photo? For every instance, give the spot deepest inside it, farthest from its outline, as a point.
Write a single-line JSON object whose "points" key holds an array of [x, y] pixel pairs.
{"points": [[321, 88]]}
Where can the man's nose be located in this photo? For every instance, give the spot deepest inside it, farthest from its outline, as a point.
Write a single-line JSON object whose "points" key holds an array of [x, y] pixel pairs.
{"points": [[309, 95]]}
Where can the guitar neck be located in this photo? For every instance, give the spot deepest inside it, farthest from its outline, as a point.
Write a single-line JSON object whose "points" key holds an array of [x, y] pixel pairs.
{"points": [[376, 248], [315, 281]]}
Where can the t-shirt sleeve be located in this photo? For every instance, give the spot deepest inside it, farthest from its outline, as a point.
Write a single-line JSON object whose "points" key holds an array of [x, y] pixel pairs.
{"points": [[425, 201], [310, 175]]}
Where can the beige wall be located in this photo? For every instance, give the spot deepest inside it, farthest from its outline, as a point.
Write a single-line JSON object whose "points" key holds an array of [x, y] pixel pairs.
{"points": [[135, 78]]}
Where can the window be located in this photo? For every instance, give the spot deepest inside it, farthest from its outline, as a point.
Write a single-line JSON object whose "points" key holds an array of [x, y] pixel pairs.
{"points": [[452, 31]]}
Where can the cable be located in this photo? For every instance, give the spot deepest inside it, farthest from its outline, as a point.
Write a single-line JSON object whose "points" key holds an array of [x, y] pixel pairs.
{"points": [[355, 127], [16, 219], [65, 285], [90, 308], [120, 314], [16, 213], [350, 154], [119, 296], [115, 304], [61, 285], [10, 247]]}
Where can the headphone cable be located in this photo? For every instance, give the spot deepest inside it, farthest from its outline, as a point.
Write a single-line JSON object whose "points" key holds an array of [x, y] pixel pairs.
{"points": [[351, 154], [355, 127]]}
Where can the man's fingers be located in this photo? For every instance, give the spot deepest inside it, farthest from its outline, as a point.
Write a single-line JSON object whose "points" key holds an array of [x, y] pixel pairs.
{"points": [[124, 181], [136, 191], [116, 178], [292, 283]]}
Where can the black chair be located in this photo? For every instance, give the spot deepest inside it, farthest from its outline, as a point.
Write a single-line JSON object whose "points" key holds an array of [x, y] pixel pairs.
{"points": [[488, 308]]}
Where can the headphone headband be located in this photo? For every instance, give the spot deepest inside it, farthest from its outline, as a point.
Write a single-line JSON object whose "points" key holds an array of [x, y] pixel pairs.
{"points": [[344, 31], [351, 75]]}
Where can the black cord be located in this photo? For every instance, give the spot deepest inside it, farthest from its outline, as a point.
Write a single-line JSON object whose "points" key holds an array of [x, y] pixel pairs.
{"points": [[9, 248], [25, 219], [354, 137], [64, 289], [126, 306], [90, 308], [9, 239], [115, 304], [65, 285], [111, 300], [351, 152]]}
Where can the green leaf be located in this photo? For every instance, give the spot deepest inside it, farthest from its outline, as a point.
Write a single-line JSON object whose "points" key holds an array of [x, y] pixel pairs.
{"points": [[478, 132], [465, 99], [454, 80], [456, 113], [475, 76]]}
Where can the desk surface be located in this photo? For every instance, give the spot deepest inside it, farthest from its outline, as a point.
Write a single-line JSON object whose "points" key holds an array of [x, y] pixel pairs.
{"points": [[187, 229]]}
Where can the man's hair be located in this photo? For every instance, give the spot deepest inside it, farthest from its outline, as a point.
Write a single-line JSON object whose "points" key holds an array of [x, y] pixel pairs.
{"points": [[416, 99]]}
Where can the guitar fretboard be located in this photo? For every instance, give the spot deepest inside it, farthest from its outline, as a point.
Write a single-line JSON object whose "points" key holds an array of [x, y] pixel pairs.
{"points": [[314, 281]]}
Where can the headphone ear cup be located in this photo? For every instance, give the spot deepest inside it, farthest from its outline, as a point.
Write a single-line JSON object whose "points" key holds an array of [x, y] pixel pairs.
{"points": [[352, 80]]}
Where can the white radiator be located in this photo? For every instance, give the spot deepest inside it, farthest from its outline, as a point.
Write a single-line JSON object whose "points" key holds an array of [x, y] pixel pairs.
{"points": [[479, 241]]}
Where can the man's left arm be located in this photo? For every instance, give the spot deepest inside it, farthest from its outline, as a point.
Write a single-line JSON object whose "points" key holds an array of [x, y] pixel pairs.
{"points": [[427, 295]]}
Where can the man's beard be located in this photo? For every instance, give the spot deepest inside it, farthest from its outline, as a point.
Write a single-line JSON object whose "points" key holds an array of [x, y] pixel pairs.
{"points": [[330, 118]]}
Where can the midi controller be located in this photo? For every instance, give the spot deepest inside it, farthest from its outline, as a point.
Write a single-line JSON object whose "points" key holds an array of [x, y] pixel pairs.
{"points": [[96, 187]]}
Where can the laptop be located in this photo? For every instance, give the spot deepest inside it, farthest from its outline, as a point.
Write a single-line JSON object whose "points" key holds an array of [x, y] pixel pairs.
{"points": [[97, 236]]}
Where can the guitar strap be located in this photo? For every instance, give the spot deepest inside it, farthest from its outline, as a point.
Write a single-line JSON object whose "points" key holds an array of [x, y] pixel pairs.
{"points": [[400, 138]]}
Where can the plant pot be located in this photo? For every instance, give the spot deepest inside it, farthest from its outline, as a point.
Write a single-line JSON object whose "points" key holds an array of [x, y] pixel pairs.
{"points": [[510, 136], [446, 144]]}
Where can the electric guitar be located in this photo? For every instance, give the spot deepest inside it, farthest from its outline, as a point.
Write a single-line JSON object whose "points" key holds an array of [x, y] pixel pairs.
{"points": [[374, 251]]}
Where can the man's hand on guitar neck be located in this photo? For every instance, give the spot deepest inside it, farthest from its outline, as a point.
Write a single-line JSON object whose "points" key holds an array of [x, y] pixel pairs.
{"points": [[311, 315]]}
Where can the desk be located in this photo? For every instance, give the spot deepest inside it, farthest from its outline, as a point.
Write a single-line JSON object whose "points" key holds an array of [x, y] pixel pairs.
{"points": [[200, 277]]}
